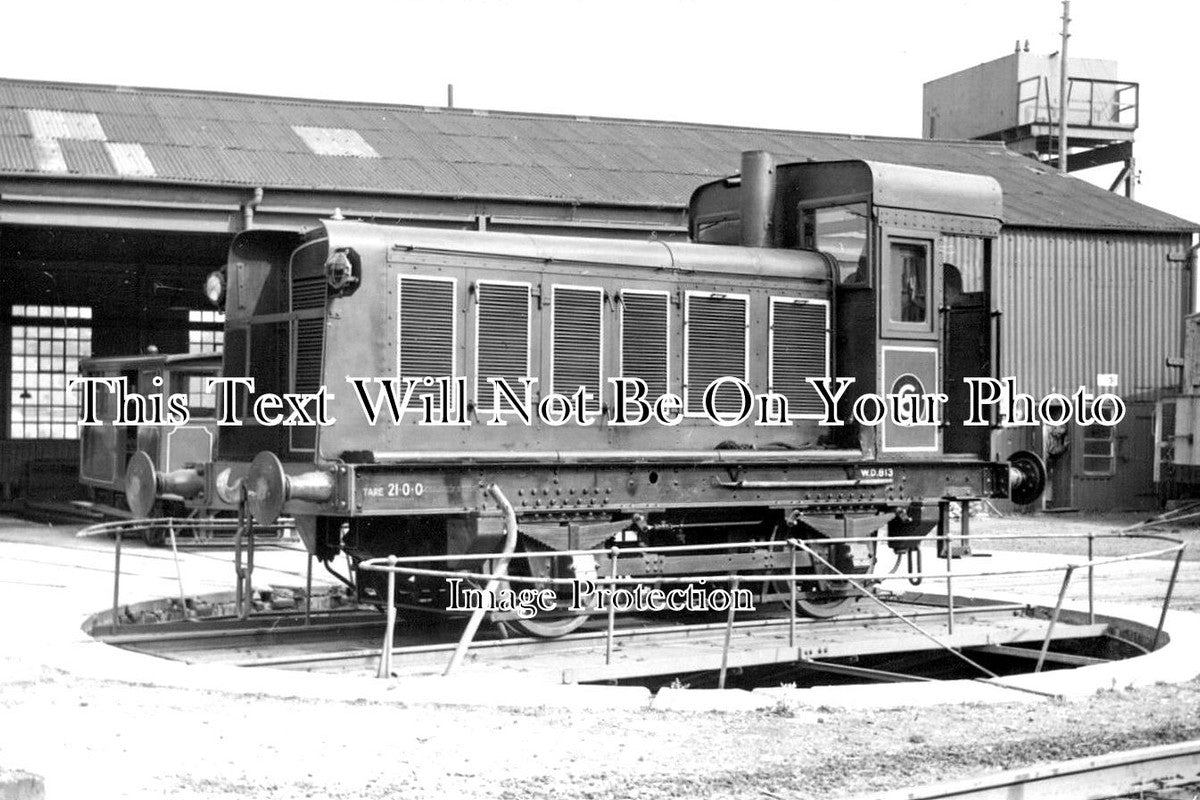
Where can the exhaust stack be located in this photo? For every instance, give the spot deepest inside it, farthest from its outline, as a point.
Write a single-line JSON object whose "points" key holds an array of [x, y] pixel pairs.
{"points": [[757, 198]]}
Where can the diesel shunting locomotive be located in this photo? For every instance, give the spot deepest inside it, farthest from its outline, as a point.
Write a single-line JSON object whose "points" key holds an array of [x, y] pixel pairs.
{"points": [[795, 273]]}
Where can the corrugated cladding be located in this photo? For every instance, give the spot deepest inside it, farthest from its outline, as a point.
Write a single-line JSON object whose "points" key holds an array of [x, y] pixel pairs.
{"points": [[201, 138], [1077, 304]]}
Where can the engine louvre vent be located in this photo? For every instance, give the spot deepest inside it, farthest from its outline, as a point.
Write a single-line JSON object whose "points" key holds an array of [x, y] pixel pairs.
{"points": [[799, 350], [645, 350], [501, 337], [309, 290], [577, 336], [426, 329], [714, 347], [309, 336]]}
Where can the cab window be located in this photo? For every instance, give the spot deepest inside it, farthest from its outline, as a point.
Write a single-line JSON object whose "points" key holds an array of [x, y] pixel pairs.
{"points": [[841, 232], [910, 282]]}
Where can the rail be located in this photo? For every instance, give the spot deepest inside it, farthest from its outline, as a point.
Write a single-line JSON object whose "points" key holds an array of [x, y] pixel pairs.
{"points": [[1129, 773], [409, 567]]}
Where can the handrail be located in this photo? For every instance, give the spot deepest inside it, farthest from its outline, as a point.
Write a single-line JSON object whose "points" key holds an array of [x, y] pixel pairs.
{"points": [[407, 565], [1104, 111], [394, 565], [179, 523], [119, 528], [379, 564], [944, 645]]}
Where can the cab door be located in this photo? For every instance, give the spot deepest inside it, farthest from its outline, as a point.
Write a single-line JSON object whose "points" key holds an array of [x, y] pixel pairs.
{"points": [[964, 263]]}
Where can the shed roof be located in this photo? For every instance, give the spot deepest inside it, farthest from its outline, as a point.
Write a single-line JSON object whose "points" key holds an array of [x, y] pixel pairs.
{"points": [[175, 136]]}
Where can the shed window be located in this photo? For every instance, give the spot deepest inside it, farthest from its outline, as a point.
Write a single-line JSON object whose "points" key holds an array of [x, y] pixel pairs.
{"points": [[501, 337], [206, 332], [576, 356], [1099, 451], [715, 346], [47, 345]]}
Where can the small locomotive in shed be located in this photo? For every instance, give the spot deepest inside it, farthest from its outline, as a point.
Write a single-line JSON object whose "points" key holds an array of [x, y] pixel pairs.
{"points": [[620, 393]]}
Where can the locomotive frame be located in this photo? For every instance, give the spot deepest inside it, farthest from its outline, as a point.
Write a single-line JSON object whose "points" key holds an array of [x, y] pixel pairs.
{"points": [[755, 288]]}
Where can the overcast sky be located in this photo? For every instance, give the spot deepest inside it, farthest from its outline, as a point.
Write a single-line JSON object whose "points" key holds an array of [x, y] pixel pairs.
{"points": [[851, 67]]}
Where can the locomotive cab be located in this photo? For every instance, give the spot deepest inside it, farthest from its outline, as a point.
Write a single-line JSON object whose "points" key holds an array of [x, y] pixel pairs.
{"points": [[913, 249]]}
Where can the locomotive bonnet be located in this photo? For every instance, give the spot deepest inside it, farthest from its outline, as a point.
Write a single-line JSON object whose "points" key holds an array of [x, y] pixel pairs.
{"points": [[621, 393]]}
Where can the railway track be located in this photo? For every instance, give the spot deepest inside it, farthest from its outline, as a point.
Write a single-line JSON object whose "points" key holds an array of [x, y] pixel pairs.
{"points": [[1164, 772]]}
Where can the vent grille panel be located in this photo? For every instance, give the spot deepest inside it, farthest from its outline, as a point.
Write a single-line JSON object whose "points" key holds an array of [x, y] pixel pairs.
{"points": [[716, 348], [309, 335], [577, 331], [644, 340], [799, 350], [426, 341], [308, 348], [309, 292], [502, 337]]}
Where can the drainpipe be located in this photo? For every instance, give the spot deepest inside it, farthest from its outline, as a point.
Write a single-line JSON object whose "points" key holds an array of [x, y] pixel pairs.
{"points": [[248, 209], [1193, 257]]}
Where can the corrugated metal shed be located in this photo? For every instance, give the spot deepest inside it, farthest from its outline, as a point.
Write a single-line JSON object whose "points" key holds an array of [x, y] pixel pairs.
{"points": [[239, 140], [1077, 304]]}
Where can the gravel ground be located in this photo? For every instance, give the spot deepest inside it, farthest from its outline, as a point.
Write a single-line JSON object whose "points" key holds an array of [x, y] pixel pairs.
{"points": [[1080, 525], [131, 741], [112, 739]]}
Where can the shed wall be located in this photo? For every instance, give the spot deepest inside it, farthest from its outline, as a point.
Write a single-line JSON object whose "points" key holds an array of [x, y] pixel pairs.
{"points": [[1077, 304]]}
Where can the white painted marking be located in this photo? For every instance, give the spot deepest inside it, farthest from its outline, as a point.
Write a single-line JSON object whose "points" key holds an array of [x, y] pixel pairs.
{"points": [[47, 124], [335, 141], [130, 159], [49, 155]]}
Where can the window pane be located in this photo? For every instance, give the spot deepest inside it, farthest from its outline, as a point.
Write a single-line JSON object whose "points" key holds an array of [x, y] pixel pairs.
{"points": [[205, 334], [910, 272], [45, 358], [964, 253], [841, 232], [1099, 450]]}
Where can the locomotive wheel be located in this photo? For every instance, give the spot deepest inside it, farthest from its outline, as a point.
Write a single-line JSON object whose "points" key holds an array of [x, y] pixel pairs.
{"points": [[539, 566], [816, 598], [155, 537], [821, 608]]}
